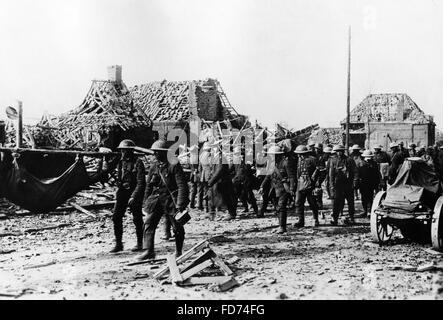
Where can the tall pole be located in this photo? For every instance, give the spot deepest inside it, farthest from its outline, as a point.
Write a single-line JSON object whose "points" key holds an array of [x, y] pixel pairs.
{"points": [[348, 104], [19, 135]]}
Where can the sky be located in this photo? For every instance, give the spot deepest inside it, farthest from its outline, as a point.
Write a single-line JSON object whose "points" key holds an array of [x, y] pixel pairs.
{"points": [[278, 61]]}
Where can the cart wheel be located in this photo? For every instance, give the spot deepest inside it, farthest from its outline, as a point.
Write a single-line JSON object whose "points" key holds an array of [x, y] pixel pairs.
{"points": [[437, 225], [380, 230]]}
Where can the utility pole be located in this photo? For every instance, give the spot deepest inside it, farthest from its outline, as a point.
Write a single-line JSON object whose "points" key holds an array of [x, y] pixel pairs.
{"points": [[348, 104], [19, 135]]}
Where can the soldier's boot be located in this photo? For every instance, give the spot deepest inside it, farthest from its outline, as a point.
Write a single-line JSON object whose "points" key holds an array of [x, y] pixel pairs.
{"points": [[315, 214], [139, 233], [282, 219], [179, 240], [148, 240], [301, 219], [118, 232]]}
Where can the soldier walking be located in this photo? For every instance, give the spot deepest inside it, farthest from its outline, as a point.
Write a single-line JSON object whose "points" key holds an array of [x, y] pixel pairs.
{"points": [[321, 159], [130, 187], [396, 162], [204, 168], [383, 160], [221, 190], [194, 179], [167, 193], [370, 180], [307, 175], [243, 180], [343, 177], [282, 181], [356, 156]]}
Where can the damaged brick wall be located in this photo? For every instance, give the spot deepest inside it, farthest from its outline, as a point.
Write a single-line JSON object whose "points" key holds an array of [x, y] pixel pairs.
{"points": [[208, 103]]}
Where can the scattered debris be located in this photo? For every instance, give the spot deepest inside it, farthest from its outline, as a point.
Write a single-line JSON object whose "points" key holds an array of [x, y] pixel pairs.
{"points": [[183, 274]]}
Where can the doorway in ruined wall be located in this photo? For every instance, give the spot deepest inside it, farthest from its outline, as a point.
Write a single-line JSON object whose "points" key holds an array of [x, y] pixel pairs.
{"points": [[357, 138]]}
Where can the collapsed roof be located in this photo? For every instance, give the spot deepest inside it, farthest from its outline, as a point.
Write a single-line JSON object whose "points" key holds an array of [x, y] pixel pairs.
{"points": [[388, 107], [169, 100]]}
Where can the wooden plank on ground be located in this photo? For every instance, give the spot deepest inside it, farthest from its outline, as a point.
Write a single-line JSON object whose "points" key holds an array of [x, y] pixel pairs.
{"points": [[173, 269], [206, 280], [207, 254], [150, 261], [188, 254], [196, 269], [83, 210], [228, 285], [227, 271]]}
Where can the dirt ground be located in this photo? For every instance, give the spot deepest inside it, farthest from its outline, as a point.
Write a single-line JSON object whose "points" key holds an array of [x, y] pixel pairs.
{"points": [[70, 260]]}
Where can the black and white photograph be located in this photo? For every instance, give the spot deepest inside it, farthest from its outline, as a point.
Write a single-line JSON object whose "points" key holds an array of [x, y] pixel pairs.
{"points": [[216, 151]]}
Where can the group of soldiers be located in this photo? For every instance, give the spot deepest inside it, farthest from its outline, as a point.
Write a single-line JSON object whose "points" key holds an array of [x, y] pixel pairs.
{"points": [[213, 179]]}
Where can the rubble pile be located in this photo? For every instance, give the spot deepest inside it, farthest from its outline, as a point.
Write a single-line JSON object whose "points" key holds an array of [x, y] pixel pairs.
{"points": [[163, 100], [327, 136]]}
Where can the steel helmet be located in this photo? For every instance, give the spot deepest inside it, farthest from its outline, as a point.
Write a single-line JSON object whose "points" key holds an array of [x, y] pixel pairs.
{"points": [[327, 150], [412, 145], [367, 154], [159, 145], [355, 147], [338, 147], [393, 145], [126, 144], [318, 145], [274, 150], [301, 149], [378, 147]]}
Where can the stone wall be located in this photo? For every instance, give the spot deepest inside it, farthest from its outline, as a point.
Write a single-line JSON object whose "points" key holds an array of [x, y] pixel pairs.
{"points": [[208, 104], [384, 133]]}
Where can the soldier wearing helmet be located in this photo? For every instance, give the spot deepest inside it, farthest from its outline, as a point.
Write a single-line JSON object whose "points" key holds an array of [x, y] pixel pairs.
{"points": [[412, 150], [282, 183], [130, 188], [343, 176], [370, 176], [243, 180], [383, 161], [322, 160], [167, 193], [356, 156], [220, 189], [328, 155], [396, 162], [307, 176], [204, 169]]}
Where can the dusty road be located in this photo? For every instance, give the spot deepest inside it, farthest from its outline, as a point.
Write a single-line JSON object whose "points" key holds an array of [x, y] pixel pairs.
{"points": [[70, 260]]}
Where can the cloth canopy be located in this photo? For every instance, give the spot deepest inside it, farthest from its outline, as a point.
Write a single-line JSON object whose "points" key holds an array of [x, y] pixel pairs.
{"points": [[42, 182], [416, 183]]}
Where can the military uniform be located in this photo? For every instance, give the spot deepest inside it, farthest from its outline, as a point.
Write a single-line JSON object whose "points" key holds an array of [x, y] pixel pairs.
{"points": [[307, 176], [282, 183], [383, 161], [356, 156], [130, 185], [343, 177], [164, 179], [196, 190], [322, 160], [221, 190], [369, 174], [396, 162], [243, 182], [204, 169]]}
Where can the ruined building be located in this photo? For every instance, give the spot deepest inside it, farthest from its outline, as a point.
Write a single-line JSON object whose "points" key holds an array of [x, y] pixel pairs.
{"points": [[111, 112], [383, 118]]}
